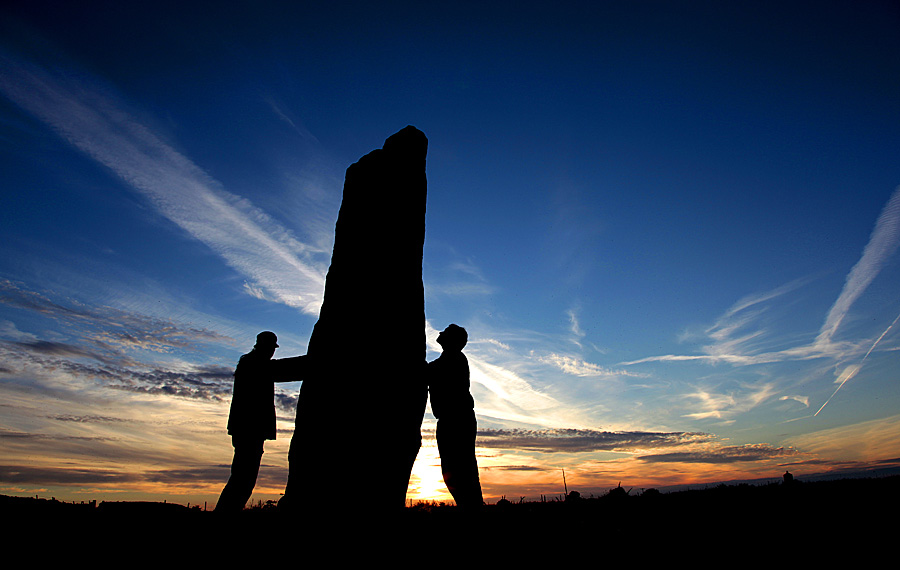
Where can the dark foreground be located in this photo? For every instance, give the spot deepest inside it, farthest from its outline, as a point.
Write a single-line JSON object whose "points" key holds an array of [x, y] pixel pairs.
{"points": [[855, 518]]}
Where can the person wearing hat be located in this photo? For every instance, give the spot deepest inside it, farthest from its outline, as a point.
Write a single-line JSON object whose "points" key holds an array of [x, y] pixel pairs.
{"points": [[453, 406], [251, 420]]}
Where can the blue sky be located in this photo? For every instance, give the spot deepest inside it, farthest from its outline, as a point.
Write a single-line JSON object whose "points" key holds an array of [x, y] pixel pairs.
{"points": [[669, 228]]}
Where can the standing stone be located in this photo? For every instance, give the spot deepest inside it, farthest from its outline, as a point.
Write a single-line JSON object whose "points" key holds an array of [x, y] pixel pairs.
{"points": [[360, 409]]}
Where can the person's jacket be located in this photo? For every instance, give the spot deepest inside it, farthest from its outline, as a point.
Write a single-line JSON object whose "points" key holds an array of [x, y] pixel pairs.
{"points": [[448, 384], [252, 412]]}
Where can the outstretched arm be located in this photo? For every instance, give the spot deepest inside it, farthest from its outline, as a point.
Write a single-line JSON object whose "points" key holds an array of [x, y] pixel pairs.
{"points": [[291, 369]]}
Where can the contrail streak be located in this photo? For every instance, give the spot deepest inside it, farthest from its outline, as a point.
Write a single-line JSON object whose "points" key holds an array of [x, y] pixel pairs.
{"points": [[851, 371], [881, 337]]}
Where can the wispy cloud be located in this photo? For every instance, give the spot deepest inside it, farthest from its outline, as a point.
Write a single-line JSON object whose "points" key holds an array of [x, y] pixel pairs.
{"points": [[882, 244], [460, 278], [802, 399], [83, 112], [88, 419], [501, 393], [738, 339], [109, 346], [9, 330], [578, 367], [584, 440], [497, 343], [296, 125], [723, 454], [24, 474], [754, 300], [108, 328], [867, 441], [53, 360], [575, 327], [724, 406]]}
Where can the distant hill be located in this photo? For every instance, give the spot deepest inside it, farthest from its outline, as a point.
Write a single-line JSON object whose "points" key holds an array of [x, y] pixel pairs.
{"points": [[806, 478]]}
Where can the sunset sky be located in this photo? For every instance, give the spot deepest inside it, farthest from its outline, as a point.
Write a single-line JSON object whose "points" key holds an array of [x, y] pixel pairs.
{"points": [[670, 229]]}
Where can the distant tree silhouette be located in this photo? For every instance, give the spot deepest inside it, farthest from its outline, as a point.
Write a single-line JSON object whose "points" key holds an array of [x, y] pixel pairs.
{"points": [[618, 493]]}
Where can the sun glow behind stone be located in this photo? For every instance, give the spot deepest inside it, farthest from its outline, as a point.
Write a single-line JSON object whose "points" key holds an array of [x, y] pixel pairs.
{"points": [[427, 482]]}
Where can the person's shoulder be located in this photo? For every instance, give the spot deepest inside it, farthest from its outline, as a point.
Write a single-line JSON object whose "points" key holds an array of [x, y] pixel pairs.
{"points": [[453, 361], [249, 359], [449, 359]]}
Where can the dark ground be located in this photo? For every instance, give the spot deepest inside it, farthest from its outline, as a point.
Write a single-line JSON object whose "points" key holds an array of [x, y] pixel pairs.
{"points": [[805, 522]]}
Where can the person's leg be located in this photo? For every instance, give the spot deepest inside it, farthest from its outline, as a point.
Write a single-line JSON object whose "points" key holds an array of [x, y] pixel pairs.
{"points": [[456, 447], [244, 470]]}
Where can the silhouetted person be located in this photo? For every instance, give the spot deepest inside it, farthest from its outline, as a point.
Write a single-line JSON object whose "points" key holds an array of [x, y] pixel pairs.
{"points": [[251, 420], [454, 408], [788, 478]]}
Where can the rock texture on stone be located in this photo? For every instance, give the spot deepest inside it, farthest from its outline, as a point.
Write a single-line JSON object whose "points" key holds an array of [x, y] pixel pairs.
{"points": [[360, 409]]}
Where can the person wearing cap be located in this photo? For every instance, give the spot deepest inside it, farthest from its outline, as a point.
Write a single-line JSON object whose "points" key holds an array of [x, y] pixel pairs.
{"points": [[454, 408], [251, 420]]}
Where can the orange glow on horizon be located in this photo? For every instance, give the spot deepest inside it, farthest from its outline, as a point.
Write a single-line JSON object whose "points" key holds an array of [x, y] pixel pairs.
{"points": [[426, 482]]}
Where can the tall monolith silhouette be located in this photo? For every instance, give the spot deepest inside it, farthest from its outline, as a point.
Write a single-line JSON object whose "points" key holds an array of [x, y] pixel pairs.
{"points": [[360, 409]]}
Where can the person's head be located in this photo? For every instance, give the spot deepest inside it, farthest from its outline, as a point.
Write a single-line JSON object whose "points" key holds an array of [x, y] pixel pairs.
{"points": [[266, 343], [453, 338]]}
